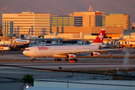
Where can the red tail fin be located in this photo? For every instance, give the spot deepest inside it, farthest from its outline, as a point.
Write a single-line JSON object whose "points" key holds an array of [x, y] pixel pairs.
{"points": [[100, 37]]}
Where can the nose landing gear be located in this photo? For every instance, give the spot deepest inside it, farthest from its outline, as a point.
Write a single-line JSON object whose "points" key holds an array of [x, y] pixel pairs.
{"points": [[32, 58]]}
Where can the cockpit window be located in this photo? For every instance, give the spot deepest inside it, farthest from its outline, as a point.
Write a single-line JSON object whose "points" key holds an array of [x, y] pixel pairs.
{"points": [[27, 49]]}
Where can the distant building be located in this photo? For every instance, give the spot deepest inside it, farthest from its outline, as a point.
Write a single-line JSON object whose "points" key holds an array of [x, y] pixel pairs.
{"points": [[117, 20], [25, 20], [133, 25], [73, 23], [86, 23], [64, 21], [79, 22], [90, 19], [128, 37], [110, 31], [98, 19], [0, 31]]}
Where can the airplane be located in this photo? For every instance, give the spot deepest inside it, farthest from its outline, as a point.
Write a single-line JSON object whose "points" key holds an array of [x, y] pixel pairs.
{"points": [[17, 40], [67, 52], [20, 40], [21, 44]]}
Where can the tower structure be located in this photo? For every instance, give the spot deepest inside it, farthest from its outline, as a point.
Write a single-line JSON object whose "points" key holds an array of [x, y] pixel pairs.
{"points": [[90, 9]]}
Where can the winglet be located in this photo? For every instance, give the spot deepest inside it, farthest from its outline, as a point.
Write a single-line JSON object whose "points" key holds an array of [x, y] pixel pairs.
{"points": [[99, 38]]}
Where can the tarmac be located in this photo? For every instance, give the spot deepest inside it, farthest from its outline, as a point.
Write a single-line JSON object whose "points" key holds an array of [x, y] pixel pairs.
{"points": [[14, 62], [14, 65]]}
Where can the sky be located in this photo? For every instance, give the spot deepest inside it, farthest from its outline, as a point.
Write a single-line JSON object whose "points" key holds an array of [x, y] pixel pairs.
{"points": [[64, 7]]}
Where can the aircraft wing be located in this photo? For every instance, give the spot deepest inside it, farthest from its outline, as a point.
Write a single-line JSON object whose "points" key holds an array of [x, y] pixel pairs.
{"points": [[105, 50], [65, 53], [77, 52]]}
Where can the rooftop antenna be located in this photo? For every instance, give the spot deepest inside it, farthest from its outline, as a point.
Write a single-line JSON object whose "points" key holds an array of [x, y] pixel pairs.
{"points": [[90, 9], [133, 24]]}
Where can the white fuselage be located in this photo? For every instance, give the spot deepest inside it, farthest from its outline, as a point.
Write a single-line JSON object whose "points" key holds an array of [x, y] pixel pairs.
{"points": [[57, 51], [21, 41], [65, 51]]}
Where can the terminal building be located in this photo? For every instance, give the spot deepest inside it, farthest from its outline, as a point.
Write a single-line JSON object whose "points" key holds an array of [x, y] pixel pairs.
{"points": [[90, 19], [91, 23], [64, 21], [117, 20], [76, 23], [39, 23]]}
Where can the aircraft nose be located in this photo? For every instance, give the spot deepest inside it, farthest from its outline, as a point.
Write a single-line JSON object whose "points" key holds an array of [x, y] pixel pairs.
{"points": [[24, 52]]}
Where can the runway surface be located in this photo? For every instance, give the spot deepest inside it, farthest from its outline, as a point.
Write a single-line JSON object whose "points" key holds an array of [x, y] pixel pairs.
{"points": [[16, 64]]}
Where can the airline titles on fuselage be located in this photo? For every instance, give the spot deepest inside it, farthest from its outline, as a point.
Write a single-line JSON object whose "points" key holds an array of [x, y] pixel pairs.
{"points": [[43, 48]]}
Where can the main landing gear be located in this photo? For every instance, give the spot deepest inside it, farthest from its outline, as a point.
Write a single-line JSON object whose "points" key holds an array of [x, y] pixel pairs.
{"points": [[58, 59], [74, 59], [66, 59]]}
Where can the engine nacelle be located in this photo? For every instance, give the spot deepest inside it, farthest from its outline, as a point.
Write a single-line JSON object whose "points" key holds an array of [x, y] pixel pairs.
{"points": [[95, 53], [69, 56]]}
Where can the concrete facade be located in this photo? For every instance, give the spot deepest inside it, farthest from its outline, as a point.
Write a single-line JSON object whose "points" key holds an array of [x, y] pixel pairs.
{"points": [[44, 24], [117, 20], [115, 31], [25, 20], [88, 18], [61, 21]]}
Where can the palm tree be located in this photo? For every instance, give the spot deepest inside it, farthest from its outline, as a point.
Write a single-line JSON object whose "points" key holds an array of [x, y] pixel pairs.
{"points": [[28, 79]]}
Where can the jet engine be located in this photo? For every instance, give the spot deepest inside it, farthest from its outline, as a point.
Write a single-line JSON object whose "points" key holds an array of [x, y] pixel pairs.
{"points": [[69, 56], [95, 53]]}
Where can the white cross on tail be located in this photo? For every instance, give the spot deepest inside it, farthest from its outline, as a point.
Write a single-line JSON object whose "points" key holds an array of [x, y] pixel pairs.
{"points": [[100, 36]]}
